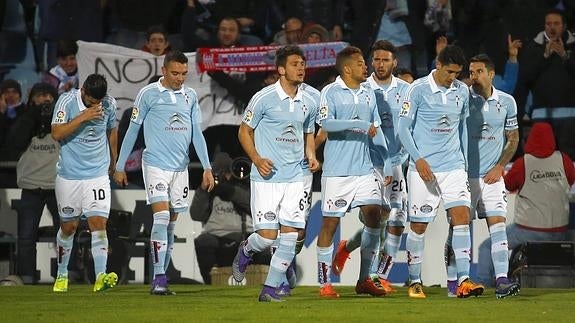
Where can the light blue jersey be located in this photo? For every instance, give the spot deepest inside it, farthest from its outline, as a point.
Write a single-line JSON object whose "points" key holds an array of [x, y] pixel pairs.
{"points": [[279, 124], [432, 124], [84, 154], [389, 101], [346, 152], [168, 118], [486, 126]]}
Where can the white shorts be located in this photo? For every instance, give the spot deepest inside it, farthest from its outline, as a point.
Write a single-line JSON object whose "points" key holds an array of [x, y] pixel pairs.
{"points": [[396, 194], [87, 197], [273, 204], [340, 194], [487, 199], [424, 197], [167, 186]]}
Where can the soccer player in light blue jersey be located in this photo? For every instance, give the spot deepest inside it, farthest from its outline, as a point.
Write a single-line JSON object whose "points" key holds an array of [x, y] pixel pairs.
{"points": [[432, 129], [389, 92], [493, 138], [170, 114], [305, 203], [277, 133], [84, 122], [348, 114]]}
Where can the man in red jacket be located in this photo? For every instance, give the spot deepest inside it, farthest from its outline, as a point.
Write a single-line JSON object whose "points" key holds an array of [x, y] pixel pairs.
{"points": [[542, 178]]}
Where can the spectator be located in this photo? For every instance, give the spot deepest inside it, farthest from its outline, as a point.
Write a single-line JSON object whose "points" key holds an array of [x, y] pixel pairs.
{"points": [[156, 41], [36, 173], [548, 71], [541, 179], [291, 33], [64, 76], [11, 105]]}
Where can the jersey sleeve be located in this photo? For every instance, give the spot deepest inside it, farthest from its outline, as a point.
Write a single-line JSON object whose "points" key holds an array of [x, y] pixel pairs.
{"points": [[112, 108], [254, 112], [61, 113], [511, 122], [141, 106]]}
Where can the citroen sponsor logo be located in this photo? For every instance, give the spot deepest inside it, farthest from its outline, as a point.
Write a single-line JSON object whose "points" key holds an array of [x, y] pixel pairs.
{"points": [[176, 123]]}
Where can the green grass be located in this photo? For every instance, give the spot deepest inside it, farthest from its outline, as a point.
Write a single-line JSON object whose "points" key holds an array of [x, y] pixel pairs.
{"points": [[198, 303]]}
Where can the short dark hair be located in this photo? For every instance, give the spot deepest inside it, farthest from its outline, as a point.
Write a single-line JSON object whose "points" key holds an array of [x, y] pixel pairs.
{"points": [[451, 54], [483, 58], [344, 55], [402, 71], [555, 11], [95, 86], [156, 29], [384, 45], [175, 56], [66, 48], [288, 50]]}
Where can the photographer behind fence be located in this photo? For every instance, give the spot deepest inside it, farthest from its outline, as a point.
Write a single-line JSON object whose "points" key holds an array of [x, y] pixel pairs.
{"points": [[30, 143], [224, 213]]}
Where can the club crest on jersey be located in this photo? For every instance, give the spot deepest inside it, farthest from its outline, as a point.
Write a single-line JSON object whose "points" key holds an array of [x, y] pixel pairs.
{"points": [[323, 112], [304, 108], [405, 109], [248, 116], [498, 106], [60, 115], [187, 98], [397, 97], [135, 113]]}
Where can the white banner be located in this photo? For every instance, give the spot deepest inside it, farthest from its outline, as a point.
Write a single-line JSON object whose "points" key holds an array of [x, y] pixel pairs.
{"points": [[128, 70]]}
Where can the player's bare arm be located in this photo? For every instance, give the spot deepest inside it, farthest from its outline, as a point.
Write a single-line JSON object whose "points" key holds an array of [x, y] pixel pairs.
{"points": [[424, 170], [508, 151]]}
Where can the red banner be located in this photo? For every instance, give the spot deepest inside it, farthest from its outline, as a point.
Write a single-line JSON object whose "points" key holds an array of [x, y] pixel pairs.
{"points": [[262, 58]]}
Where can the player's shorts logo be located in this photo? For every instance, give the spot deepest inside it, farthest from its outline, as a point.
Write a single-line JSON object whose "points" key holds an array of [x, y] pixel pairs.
{"points": [[160, 187], [248, 116], [270, 216], [340, 203], [135, 113], [68, 210], [426, 208]]}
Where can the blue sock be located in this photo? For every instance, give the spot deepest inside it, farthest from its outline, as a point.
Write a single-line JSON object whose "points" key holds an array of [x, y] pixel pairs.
{"points": [[281, 259], [461, 243], [64, 245], [159, 241], [354, 241], [324, 260], [449, 257], [100, 251], [369, 249], [415, 244], [499, 251], [170, 248]]}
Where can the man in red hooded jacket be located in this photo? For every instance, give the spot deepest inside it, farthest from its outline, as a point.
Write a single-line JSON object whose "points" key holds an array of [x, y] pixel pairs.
{"points": [[542, 178]]}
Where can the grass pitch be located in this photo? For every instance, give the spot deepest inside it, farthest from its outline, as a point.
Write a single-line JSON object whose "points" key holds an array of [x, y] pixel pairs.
{"points": [[199, 303]]}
